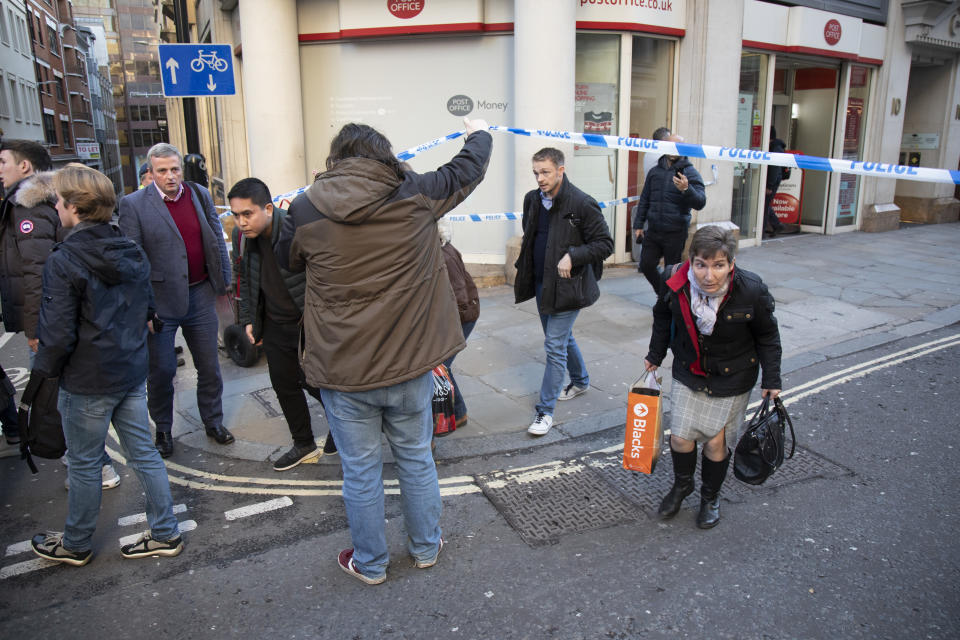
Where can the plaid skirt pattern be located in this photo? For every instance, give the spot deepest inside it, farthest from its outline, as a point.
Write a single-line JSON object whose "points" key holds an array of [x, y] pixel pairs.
{"points": [[696, 416]]}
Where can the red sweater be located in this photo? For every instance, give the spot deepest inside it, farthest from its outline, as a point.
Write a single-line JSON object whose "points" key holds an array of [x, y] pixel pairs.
{"points": [[184, 215]]}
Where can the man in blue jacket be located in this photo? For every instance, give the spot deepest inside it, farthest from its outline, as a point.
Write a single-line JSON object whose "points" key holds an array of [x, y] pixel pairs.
{"points": [[177, 226], [672, 188]]}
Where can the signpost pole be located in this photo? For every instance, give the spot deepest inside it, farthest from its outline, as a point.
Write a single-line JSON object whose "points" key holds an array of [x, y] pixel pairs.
{"points": [[189, 104]]}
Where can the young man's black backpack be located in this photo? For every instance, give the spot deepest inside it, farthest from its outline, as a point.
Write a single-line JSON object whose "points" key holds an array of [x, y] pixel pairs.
{"points": [[41, 430]]}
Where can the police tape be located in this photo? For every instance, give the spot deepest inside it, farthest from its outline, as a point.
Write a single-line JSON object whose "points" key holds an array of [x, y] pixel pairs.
{"points": [[709, 152], [468, 217], [513, 215]]}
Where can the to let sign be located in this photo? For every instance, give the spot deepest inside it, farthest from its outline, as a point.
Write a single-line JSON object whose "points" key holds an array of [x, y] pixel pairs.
{"points": [[197, 70]]}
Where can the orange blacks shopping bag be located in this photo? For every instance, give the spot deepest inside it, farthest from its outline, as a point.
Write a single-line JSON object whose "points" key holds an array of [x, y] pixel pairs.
{"points": [[644, 434]]}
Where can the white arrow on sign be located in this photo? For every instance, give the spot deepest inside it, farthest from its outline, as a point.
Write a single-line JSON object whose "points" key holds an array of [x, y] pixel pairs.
{"points": [[173, 65], [210, 83]]}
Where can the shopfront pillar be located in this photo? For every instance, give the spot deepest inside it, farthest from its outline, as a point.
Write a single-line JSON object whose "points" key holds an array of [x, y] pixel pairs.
{"points": [[544, 69], [708, 80], [273, 100], [545, 38]]}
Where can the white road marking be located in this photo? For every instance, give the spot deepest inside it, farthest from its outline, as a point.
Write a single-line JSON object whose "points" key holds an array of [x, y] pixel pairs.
{"points": [[186, 525], [4, 338], [260, 507], [126, 521], [19, 547], [25, 567]]}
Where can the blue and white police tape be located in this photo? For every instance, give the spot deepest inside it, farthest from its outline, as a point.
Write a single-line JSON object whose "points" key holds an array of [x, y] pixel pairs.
{"points": [[724, 154], [480, 217]]}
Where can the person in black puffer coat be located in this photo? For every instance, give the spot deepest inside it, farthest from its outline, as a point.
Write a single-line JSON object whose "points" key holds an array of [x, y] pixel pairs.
{"points": [[719, 323], [671, 190]]}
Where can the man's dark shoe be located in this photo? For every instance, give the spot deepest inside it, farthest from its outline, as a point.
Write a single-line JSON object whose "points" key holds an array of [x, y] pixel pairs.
{"points": [[295, 456], [164, 444], [220, 434], [329, 446]]}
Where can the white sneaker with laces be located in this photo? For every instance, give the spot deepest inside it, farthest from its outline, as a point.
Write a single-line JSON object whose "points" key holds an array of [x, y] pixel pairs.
{"points": [[571, 391], [540, 425]]}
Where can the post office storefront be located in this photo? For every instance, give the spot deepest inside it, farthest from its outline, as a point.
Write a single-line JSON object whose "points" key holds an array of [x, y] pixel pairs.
{"points": [[808, 76]]}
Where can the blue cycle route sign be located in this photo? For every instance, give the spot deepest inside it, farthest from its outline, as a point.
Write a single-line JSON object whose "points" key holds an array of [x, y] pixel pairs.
{"points": [[197, 70]]}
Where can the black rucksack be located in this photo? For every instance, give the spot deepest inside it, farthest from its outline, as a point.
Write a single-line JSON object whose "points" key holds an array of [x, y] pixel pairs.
{"points": [[41, 430]]}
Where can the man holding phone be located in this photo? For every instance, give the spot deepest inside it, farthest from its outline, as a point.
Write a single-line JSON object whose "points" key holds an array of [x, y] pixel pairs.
{"points": [[672, 188]]}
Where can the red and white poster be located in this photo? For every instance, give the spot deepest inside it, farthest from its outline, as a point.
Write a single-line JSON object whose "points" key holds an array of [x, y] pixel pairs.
{"points": [[786, 202]]}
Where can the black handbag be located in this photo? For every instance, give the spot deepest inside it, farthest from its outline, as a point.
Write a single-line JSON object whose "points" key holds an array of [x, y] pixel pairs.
{"points": [[760, 451], [41, 430]]}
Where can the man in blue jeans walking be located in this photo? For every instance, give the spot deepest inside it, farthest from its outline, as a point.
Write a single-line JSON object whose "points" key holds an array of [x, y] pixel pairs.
{"points": [[565, 240], [92, 333], [379, 315]]}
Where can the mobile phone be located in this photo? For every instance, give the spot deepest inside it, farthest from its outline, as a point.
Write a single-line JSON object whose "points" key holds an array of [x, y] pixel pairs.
{"points": [[678, 171]]}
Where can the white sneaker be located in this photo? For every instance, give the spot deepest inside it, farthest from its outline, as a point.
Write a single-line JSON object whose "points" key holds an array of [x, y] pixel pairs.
{"points": [[571, 391], [540, 425], [109, 478]]}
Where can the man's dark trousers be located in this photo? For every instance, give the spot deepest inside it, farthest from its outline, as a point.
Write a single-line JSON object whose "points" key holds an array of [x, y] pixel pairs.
{"points": [[656, 245], [281, 346]]}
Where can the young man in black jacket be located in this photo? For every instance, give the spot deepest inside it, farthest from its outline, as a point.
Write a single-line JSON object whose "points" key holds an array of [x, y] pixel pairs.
{"points": [[270, 309], [671, 189], [565, 240]]}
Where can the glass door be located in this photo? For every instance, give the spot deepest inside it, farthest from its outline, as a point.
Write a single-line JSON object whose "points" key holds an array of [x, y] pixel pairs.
{"points": [[750, 109], [853, 138]]}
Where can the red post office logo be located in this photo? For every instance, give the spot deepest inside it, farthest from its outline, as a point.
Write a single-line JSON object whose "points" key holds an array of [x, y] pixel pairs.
{"points": [[405, 9], [832, 32]]}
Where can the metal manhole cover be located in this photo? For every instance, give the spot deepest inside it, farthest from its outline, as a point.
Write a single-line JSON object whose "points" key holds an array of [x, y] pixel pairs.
{"points": [[646, 491], [548, 501]]}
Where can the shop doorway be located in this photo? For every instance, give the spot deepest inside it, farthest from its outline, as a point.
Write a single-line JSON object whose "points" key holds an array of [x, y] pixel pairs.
{"points": [[803, 113]]}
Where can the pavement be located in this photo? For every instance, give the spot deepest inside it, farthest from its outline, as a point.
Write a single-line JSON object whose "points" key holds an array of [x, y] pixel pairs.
{"points": [[835, 295]]}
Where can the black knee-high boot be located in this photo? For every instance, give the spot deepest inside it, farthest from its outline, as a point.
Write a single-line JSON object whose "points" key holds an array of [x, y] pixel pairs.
{"points": [[712, 475], [684, 466]]}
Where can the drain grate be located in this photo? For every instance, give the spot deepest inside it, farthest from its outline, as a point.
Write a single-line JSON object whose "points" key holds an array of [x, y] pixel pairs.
{"points": [[265, 398], [546, 502]]}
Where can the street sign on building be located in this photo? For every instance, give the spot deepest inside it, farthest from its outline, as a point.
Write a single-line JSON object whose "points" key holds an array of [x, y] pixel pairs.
{"points": [[88, 150], [197, 70]]}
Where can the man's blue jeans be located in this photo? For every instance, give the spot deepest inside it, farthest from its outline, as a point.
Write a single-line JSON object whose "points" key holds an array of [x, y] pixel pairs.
{"points": [[563, 356], [85, 422], [403, 413], [200, 329]]}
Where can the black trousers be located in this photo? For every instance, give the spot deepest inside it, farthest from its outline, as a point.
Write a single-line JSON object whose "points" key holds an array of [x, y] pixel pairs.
{"points": [[656, 245], [280, 344]]}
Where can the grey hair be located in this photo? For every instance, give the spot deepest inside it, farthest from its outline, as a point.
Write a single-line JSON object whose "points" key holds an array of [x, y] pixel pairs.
{"points": [[710, 240], [163, 150]]}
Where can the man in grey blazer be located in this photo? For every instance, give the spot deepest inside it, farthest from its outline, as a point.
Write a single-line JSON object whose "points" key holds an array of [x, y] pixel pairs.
{"points": [[176, 223]]}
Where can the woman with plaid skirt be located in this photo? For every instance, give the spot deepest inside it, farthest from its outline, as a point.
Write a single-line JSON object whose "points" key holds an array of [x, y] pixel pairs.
{"points": [[718, 321]]}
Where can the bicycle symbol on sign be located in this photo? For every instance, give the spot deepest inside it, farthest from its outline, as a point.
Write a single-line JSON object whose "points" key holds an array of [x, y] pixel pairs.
{"points": [[208, 59]]}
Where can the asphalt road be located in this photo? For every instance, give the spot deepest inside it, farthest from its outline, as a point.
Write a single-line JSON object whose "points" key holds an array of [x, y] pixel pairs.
{"points": [[854, 538]]}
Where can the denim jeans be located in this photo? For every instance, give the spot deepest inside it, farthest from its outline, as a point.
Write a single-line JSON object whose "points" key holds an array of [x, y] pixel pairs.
{"points": [[200, 329], [459, 405], [403, 413], [85, 422], [563, 356]]}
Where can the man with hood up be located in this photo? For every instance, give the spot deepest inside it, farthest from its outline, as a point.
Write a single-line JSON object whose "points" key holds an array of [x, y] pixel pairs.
{"points": [[379, 315], [97, 302]]}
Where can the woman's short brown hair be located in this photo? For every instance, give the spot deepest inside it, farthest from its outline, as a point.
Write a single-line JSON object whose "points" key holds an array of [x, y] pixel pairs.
{"points": [[88, 190], [710, 240]]}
